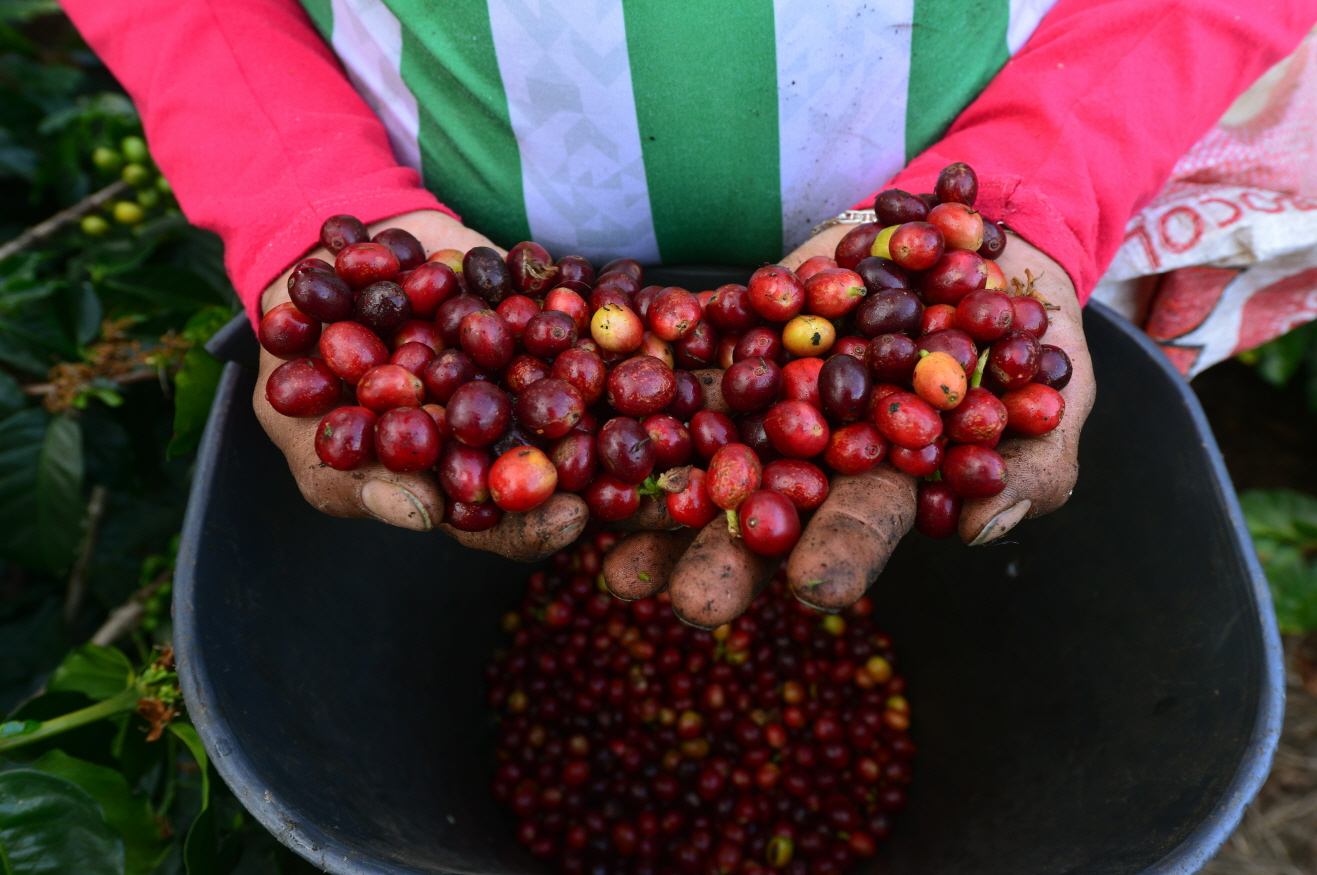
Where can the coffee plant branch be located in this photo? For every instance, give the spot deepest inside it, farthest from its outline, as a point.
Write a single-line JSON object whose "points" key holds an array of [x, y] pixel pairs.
{"points": [[77, 587], [127, 616], [139, 376], [90, 204]]}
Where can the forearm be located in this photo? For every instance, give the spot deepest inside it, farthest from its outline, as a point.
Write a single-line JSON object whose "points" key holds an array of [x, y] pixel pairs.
{"points": [[1085, 124], [253, 122]]}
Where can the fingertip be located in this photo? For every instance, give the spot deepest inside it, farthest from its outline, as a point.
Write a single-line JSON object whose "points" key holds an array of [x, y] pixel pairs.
{"points": [[996, 526], [717, 578], [396, 505], [824, 574], [531, 536], [850, 538], [640, 564], [554, 524], [1040, 476]]}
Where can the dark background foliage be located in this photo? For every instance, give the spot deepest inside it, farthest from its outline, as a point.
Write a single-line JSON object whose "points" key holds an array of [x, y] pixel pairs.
{"points": [[104, 391]]}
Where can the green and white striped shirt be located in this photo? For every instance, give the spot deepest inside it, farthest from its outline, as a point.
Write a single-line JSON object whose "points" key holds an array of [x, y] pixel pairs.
{"points": [[666, 130]]}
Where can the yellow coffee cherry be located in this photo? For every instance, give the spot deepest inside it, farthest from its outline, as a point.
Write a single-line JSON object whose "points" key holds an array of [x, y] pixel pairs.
{"points": [[879, 247], [136, 175], [134, 149], [95, 226], [107, 159], [128, 213], [809, 336]]}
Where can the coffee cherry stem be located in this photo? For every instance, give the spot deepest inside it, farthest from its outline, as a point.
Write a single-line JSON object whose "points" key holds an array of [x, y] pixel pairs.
{"points": [[674, 480], [652, 487], [733, 524], [977, 377]]}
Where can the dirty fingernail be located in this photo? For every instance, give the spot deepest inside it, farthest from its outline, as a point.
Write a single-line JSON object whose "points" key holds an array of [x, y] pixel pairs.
{"points": [[394, 505], [1002, 523]]}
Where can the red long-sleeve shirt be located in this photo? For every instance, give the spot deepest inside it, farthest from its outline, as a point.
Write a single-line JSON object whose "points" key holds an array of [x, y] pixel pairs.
{"points": [[1082, 128], [261, 135]]}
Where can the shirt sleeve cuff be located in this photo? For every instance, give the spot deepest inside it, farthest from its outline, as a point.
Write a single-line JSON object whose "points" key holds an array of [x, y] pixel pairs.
{"points": [[1006, 198], [254, 264]]}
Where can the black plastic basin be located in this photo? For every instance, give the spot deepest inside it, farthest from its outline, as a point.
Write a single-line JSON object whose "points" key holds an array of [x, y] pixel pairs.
{"points": [[1100, 694]]}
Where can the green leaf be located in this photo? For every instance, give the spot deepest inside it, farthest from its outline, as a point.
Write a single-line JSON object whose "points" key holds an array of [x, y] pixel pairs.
{"points": [[87, 313], [60, 508], [11, 395], [1279, 360], [41, 507], [91, 741], [203, 253], [31, 644], [90, 107], [134, 755], [203, 852], [196, 381], [26, 10], [108, 258], [15, 728], [14, 295], [16, 160], [188, 735], [1283, 524], [1293, 582], [33, 341], [129, 816], [49, 825], [1281, 515], [96, 672], [166, 287]]}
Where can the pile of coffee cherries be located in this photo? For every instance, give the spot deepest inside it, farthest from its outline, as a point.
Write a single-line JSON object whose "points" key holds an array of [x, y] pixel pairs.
{"points": [[632, 743], [517, 377]]}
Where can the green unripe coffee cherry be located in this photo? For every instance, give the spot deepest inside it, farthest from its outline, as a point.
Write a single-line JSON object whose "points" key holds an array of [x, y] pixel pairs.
{"points": [[134, 149], [107, 159], [136, 175], [95, 226], [128, 213], [164, 186], [148, 198]]}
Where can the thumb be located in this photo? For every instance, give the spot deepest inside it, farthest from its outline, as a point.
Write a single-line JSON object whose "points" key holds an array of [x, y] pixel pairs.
{"points": [[1040, 475]]}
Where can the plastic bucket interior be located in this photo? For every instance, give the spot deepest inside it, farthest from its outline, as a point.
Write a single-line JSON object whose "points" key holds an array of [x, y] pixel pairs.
{"points": [[1099, 695]]}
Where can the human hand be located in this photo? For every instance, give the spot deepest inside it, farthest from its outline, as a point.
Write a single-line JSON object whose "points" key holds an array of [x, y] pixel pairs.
{"points": [[712, 577], [412, 501]]}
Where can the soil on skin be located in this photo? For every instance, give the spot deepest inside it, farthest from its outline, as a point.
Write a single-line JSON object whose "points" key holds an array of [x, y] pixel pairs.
{"points": [[1269, 441]]}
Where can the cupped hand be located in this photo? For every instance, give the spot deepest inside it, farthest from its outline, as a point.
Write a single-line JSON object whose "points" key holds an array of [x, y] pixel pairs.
{"points": [[712, 577], [412, 501]]}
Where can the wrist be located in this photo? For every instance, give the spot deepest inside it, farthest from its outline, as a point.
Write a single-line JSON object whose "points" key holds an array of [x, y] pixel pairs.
{"points": [[1051, 280]]}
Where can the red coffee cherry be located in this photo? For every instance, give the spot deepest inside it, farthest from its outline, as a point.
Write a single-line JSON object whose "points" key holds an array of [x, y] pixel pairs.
{"points": [[769, 523], [1034, 409], [937, 510], [522, 479], [303, 387], [345, 438], [287, 332], [407, 440], [734, 472], [641, 386]]}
